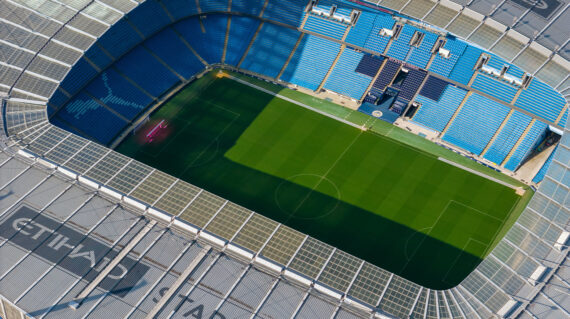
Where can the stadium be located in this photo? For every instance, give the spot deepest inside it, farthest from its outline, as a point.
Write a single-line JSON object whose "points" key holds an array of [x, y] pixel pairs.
{"points": [[284, 159]]}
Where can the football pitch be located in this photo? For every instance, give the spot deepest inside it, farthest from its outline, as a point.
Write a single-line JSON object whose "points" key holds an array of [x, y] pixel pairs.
{"points": [[391, 204]]}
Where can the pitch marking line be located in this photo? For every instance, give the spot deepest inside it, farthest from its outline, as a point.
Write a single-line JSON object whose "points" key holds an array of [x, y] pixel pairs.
{"points": [[478, 173], [478, 211], [323, 177], [295, 102]]}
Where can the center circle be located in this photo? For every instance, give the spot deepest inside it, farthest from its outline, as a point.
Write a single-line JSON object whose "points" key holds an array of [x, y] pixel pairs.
{"points": [[307, 196]]}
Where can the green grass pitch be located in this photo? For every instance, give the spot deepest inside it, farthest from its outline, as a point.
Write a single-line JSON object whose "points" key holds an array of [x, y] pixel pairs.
{"points": [[371, 196]]}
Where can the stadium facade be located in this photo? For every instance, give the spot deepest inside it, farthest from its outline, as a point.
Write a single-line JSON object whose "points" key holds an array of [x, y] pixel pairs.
{"points": [[87, 232]]}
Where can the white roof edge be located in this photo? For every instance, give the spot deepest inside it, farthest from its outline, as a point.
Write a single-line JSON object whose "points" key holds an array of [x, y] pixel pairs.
{"points": [[451, 5], [515, 35], [496, 25], [540, 49], [473, 14]]}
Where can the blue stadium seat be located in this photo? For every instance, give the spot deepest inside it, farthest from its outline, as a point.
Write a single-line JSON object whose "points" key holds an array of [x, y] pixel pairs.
{"points": [[412, 84], [155, 78], [119, 94], [530, 141], [401, 46], [214, 5], [209, 45], [57, 100], [168, 46], [369, 65], [82, 111], [180, 8], [286, 11], [532, 100], [247, 6], [495, 87], [443, 66], [326, 27], [435, 114], [476, 124], [508, 137], [386, 75], [78, 77], [542, 172], [149, 17], [120, 39], [96, 55], [344, 79], [464, 68], [316, 58], [419, 56], [270, 50], [242, 30], [366, 31]]}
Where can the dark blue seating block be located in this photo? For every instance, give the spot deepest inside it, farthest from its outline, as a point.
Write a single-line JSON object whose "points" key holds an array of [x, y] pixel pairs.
{"points": [[78, 77], [369, 65], [120, 39], [154, 77], [242, 30], [180, 8], [119, 94], [149, 17], [433, 88], [93, 119], [386, 75], [168, 46], [412, 84]]}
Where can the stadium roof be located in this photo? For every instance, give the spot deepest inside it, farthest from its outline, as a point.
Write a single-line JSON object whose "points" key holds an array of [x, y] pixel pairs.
{"points": [[265, 268]]}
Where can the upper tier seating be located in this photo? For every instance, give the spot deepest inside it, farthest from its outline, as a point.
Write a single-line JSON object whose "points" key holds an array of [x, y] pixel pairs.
{"points": [[214, 5], [476, 124], [270, 50], [494, 87], [542, 172], [242, 30], [442, 65], [366, 31], [247, 6], [286, 11], [465, 66], [149, 18], [155, 78], [181, 8], [534, 97], [169, 47], [209, 41], [325, 27], [419, 56]]}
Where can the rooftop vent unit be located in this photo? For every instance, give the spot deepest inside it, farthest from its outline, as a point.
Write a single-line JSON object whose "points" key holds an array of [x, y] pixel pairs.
{"points": [[386, 32], [444, 53]]}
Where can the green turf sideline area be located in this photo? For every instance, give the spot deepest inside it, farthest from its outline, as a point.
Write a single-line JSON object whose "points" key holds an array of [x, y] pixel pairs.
{"points": [[382, 200]]}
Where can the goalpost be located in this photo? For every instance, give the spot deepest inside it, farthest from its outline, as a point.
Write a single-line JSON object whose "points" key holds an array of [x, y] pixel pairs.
{"points": [[140, 124]]}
